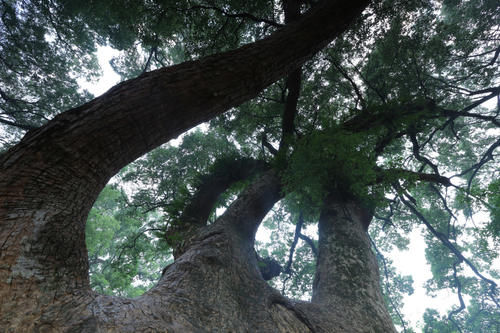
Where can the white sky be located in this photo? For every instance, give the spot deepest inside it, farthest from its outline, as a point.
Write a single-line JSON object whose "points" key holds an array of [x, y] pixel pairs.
{"points": [[109, 77], [411, 262]]}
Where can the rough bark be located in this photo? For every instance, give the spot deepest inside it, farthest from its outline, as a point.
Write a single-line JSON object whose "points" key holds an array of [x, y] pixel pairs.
{"points": [[347, 279], [197, 211], [50, 180]]}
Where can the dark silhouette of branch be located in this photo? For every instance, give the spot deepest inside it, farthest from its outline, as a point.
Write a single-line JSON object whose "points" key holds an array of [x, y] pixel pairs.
{"points": [[267, 145], [460, 298], [18, 125], [487, 156], [387, 219], [495, 92], [382, 174], [370, 86], [237, 15], [453, 114], [445, 205], [298, 227], [151, 53], [291, 9], [293, 85], [416, 152], [410, 202], [309, 242], [354, 86]]}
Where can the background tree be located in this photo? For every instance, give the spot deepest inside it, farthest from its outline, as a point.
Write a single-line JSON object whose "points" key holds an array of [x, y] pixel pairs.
{"points": [[364, 134]]}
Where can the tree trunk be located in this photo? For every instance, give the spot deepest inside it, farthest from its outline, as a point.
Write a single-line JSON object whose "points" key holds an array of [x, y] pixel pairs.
{"points": [[216, 286], [49, 181], [347, 279]]}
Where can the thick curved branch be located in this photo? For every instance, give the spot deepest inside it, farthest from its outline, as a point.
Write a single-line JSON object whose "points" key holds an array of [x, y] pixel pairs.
{"points": [[225, 173], [268, 145], [246, 213], [50, 180]]}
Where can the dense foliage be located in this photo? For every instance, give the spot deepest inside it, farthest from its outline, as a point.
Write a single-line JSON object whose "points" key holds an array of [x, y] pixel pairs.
{"points": [[399, 112]]}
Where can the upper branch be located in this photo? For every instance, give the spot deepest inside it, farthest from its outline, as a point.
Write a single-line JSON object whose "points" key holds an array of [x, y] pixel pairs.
{"points": [[407, 200], [309, 242], [238, 15], [298, 227], [402, 173], [416, 152], [225, 173], [246, 213], [460, 298], [293, 82], [487, 156]]}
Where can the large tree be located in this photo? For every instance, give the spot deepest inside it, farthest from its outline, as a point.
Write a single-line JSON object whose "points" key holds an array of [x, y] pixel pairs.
{"points": [[354, 133]]}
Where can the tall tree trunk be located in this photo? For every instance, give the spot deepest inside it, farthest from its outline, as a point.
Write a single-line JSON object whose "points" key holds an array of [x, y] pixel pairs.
{"points": [[49, 181], [347, 279]]}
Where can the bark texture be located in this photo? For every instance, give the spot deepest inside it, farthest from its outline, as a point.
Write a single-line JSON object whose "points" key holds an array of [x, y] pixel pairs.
{"points": [[49, 181], [347, 279], [197, 211]]}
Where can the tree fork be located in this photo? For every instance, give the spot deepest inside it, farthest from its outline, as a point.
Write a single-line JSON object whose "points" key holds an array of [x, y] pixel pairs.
{"points": [[50, 180], [197, 211]]}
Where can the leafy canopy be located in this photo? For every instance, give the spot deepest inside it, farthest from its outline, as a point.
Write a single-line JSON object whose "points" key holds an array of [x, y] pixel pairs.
{"points": [[394, 112]]}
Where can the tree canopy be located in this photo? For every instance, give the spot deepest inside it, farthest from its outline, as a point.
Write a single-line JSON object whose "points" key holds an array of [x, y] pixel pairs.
{"points": [[401, 112]]}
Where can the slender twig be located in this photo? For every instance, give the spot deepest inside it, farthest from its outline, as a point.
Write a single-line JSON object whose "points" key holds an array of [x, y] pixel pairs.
{"points": [[445, 205], [346, 76], [151, 52]]}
